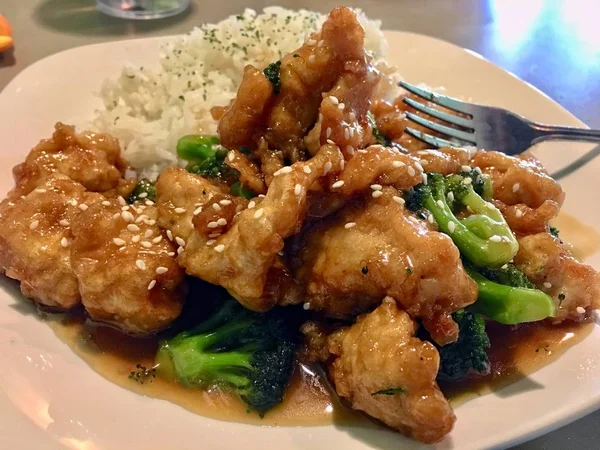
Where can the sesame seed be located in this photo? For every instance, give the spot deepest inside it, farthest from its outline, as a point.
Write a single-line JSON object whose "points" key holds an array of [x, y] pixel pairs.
{"points": [[125, 208], [73, 202], [170, 235], [148, 233], [64, 242], [424, 178], [547, 284], [135, 239], [450, 196], [259, 213], [179, 250], [341, 106], [411, 171], [280, 253], [214, 235], [333, 99], [286, 169], [64, 222], [151, 222], [518, 213], [140, 264], [376, 187], [349, 225], [467, 181], [225, 202], [33, 225], [311, 59], [346, 133], [171, 253], [231, 156], [132, 227], [451, 227], [423, 162], [306, 169], [222, 222], [320, 43], [516, 187], [297, 189], [121, 201], [430, 218], [119, 241], [329, 141], [197, 210], [116, 215], [251, 204], [41, 191], [141, 218], [157, 239], [350, 149], [151, 285], [238, 208], [127, 216], [377, 194], [306, 306], [160, 270], [216, 207], [398, 200], [180, 210], [139, 210], [418, 166], [478, 170], [580, 310], [212, 225], [143, 195], [465, 168], [337, 184], [105, 203], [180, 241], [149, 202], [440, 203], [327, 168], [219, 248], [146, 244], [496, 238], [210, 242], [397, 164]]}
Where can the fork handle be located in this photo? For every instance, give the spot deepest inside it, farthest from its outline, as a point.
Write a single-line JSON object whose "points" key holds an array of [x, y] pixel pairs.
{"points": [[551, 132]]}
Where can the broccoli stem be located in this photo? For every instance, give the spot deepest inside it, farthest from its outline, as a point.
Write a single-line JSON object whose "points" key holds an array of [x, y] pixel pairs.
{"points": [[510, 305], [196, 148]]}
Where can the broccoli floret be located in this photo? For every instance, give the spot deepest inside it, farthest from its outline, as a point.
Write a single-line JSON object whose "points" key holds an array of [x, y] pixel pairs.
{"points": [[239, 190], [380, 138], [483, 236], [468, 354], [144, 190], [554, 232], [206, 157], [508, 275], [248, 352], [272, 74], [509, 304]]}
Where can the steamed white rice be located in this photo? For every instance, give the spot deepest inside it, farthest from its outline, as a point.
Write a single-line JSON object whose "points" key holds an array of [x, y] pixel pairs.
{"points": [[149, 109]]}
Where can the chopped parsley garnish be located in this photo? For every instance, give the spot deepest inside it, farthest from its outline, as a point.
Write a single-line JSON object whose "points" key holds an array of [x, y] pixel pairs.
{"points": [[272, 74], [554, 232]]}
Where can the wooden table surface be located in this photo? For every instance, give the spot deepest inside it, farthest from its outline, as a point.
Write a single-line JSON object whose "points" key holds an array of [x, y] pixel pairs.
{"points": [[552, 44]]}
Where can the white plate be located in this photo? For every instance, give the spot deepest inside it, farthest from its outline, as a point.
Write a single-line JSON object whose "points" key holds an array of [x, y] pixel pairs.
{"points": [[52, 399]]}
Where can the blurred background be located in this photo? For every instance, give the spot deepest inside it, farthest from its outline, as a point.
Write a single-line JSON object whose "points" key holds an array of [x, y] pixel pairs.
{"points": [[552, 44]]}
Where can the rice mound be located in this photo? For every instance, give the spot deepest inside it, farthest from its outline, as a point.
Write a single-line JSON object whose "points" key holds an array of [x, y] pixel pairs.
{"points": [[149, 109]]}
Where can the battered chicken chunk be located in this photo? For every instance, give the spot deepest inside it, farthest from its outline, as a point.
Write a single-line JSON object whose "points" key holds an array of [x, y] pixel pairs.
{"points": [[242, 258], [382, 369], [550, 266], [333, 61], [526, 195], [35, 239], [127, 270], [92, 159], [374, 248]]}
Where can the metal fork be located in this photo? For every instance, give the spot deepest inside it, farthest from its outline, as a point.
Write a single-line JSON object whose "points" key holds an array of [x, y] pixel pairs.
{"points": [[486, 127]]}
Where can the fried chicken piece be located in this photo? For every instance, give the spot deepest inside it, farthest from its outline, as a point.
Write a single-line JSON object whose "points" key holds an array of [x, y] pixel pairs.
{"points": [[244, 116], [241, 259], [374, 248], [127, 269], [92, 159], [379, 353], [446, 160], [250, 175], [525, 220], [550, 266], [35, 237], [178, 195]]}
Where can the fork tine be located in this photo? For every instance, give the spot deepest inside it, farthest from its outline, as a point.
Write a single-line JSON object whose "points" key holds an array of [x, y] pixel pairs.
{"points": [[442, 100], [450, 118], [452, 132], [429, 139]]}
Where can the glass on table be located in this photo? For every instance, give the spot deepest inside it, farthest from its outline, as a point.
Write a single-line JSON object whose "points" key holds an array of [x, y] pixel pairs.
{"points": [[142, 9]]}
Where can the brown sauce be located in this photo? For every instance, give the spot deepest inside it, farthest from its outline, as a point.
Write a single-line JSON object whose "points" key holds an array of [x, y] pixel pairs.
{"points": [[516, 352]]}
